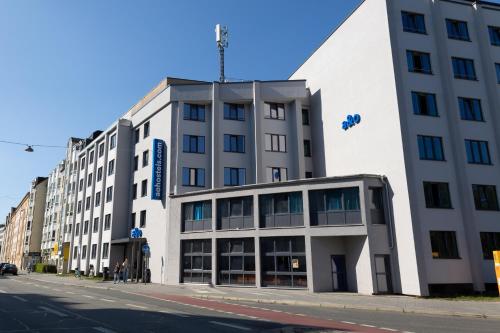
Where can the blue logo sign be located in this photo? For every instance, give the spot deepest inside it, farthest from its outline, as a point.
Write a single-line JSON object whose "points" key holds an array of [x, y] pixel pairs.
{"points": [[351, 121], [158, 166], [136, 233], [145, 249]]}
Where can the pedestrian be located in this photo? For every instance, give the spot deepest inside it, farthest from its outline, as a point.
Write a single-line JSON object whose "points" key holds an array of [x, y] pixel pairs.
{"points": [[116, 272], [125, 270], [29, 267]]}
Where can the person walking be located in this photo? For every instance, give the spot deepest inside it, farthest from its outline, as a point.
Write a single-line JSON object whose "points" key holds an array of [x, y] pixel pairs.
{"points": [[125, 270], [30, 267], [116, 272]]}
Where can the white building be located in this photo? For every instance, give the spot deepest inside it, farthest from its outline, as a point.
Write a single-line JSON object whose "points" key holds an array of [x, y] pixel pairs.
{"points": [[423, 75]]}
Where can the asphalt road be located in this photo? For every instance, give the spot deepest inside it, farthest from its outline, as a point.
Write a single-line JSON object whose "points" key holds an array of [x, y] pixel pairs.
{"points": [[32, 306]]}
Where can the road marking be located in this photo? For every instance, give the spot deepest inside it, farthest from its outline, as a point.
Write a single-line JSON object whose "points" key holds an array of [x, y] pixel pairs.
{"points": [[3, 292], [88, 296], [70, 292], [103, 330], [388, 329], [243, 328], [57, 313], [175, 313], [107, 300], [366, 325], [136, 306], [348, 322], [56, 289], [20, 298]]}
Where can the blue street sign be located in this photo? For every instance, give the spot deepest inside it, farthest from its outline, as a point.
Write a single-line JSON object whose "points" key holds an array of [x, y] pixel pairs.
{"points": [[136, 233]]}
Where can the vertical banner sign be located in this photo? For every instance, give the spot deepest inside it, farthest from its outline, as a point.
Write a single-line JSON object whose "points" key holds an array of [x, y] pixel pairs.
{"points": [[158, 166], [496, 257]]}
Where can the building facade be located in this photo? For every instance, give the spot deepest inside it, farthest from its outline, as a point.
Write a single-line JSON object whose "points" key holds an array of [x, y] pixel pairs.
{"points": [[15, 232], [53, 214], [34, 225], [423, 76]]}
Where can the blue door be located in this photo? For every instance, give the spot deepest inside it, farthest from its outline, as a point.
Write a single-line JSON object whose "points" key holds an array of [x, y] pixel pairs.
{"points": [[339, 273]]}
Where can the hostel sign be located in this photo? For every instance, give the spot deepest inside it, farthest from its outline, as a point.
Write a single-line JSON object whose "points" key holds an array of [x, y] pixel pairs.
{"points": [[158, 169]]}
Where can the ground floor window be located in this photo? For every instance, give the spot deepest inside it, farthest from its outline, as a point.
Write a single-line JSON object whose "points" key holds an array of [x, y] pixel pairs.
{"points": [[236, 261], [197, 261], [283, 262]]}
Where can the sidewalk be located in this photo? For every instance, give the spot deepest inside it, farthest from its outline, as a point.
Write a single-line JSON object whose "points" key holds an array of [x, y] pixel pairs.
{"points": [[479, 309]]}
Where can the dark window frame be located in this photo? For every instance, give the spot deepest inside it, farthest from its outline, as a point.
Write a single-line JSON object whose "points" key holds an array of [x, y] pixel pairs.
{"points": [[485, 197], [437, 195], [447, 248]]}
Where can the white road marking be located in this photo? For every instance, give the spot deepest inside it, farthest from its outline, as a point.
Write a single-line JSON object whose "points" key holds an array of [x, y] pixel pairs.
{"points": [[57, 313], [103, 330], [366, 325], [20, 298], [3, 292], [175, 313], [388, 329], [107, 300], [136, 306], [70, 292], [348, 322], [88, 296], [243, 328]]}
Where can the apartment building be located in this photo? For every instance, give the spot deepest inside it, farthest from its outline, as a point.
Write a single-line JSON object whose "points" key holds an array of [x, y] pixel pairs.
{"points": [[53, 214], [410, 89], [35, 221], [15, 232], [2, 233]]}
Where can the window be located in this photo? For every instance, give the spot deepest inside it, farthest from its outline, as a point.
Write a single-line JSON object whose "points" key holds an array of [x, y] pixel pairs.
{"points": [[145, 158], [91, 157], [95, 227], [234, 111], [490, 241], [477, 152], [112, 142], [234, 143], [79, 206], [235, 213], [193, 177], [101, 149], [194, 112], [137, 135], [134, 191], [485, 197], [89, 179], [105, 250], [497, 69], [111, 167], [444, 245], [470, 109], [146, 130], [430, 148], [136, 163], [437, 195], [80, 186], [109, 194], [457, 30], [197, 261], [132, 222], [283, 261], [75, 252], [494, 35], [413, 22], [107, 221], [234, 176], [144, 188], [309, 174], [87, 203], [424, 104], [335, 206], [281, 210], [142, 222], [377, 207], [463, 68], [194, 144], [197, 216], [99, 174], [275, 142], [274, 111], [77, 229], [419, 62], [97, 201], [93, 252], [84, 251], [305, 117], [82, 163], [307, 148], [85, 227], [236, 261], [276, 174]]}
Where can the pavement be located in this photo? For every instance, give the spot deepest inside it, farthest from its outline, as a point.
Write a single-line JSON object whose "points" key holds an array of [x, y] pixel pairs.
{"points": [[386, 303]]}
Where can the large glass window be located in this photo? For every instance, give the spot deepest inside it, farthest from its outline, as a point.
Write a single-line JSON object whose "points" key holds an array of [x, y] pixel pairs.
{"points": [[275, 142], [494, 35], [470, 109], [335, 206], [463, 68], [437, 195], [283, 262], [234, 176], [235, 213], [444, 245], [490, 241], [234, 111], [281, 210], [430, 148], [112, 142], [197, 261], [276, 174], [485, 197], [234, 143], [194, 112], [193, 177], [477, 152], [236, 261], [424, 104], [197, 216], [274, 111], [457, 30], [377, 206], [194, 144], [419, 62], [305, 116], [413, 22]]}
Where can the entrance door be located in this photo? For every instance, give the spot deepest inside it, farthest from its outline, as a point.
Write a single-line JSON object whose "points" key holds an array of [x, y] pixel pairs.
{"points": [[383, 273], [339, 273]]}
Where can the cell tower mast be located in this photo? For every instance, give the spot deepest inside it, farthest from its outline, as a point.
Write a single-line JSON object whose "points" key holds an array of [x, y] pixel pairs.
{"points": [[221, 37]]}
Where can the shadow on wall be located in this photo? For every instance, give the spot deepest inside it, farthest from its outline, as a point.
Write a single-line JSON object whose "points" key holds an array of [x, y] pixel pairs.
{"points": [[317, 132], [396, 275]]}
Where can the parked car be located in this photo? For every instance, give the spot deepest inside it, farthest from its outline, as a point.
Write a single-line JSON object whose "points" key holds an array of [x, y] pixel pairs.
{"points": [[9, 269], [2, 264]]}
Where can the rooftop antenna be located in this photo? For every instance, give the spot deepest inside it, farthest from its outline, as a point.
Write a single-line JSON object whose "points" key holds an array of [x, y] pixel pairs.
{"points": [[221, 37]]}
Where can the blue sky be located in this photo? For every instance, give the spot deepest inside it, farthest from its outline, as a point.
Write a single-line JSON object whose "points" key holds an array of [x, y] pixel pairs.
{"points": [[70, 67]]}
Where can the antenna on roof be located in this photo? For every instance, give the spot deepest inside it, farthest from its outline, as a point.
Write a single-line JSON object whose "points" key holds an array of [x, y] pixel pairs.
{"points": [[222, 38]]}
